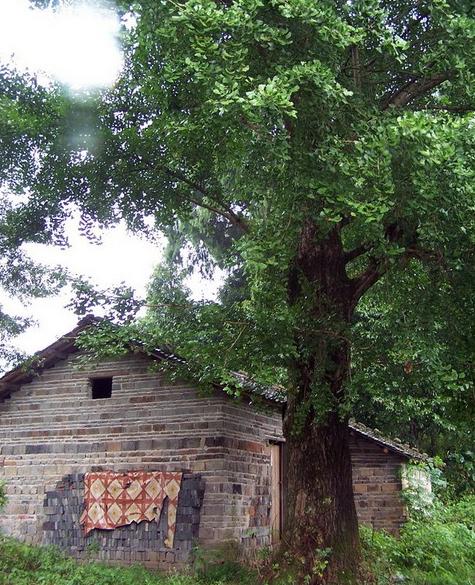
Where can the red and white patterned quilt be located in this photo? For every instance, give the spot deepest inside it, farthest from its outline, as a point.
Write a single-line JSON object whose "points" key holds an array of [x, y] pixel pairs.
{"points": [[116, 499]]}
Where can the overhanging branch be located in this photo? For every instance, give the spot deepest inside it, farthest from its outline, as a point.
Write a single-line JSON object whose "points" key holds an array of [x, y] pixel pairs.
{"points": [[414, 89], [225, 210], [377, 267], [424, 255], [374, 271], [356, 252], [216, 205], [464, 109]]}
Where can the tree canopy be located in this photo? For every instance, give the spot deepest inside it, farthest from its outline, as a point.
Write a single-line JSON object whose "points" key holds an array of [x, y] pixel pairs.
{"points": [[322, 154]]}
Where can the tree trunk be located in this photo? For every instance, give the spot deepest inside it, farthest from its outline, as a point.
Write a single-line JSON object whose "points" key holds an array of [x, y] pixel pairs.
{"points": [[320, 543], [320, 526]]}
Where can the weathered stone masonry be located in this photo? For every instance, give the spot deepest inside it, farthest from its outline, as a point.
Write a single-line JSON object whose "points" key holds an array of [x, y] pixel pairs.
{"points": [[377, 484], [140, 542]]}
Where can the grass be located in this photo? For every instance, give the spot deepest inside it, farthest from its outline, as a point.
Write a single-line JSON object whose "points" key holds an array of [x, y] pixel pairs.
{"points": [[436, 549], [21, 564]]}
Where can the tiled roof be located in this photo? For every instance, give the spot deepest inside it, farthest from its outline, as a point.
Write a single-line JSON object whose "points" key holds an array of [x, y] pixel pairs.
{"points": [[393, 445], [278, 394]]}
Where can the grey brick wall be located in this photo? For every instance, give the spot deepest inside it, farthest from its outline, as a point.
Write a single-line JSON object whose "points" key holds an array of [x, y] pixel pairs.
{"points": [[142, 542], [51, 428], [377, 485]]}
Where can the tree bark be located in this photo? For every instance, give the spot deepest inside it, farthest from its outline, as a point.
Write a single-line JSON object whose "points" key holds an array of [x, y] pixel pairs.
{"points": [[320, 527]]}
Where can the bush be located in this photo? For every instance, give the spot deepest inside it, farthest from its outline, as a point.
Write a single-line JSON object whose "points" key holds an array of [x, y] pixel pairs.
{"points": [[220, 565], [377, 548], [438, 549], [3, 495]]}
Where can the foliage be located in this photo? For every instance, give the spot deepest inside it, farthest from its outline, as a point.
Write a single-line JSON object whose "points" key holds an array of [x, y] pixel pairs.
{"points": [[322, 154], [23, 279], [439, 550], [424, 481], [461, 471], [411, 364], [285, 568], [117, 304], [10, 326], [235, 122], [20, 278], [220, 565], [3, 495], [21, 564]]}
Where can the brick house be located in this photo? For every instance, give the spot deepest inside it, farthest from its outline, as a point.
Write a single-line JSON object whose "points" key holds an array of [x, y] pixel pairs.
{"points": [[63, 427]]}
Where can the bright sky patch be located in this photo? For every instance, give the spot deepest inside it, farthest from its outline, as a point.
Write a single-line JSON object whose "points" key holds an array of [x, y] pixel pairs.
{"points": [[76, 44]]}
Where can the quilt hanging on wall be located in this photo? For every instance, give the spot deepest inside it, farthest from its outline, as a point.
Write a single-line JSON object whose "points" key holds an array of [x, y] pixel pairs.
{"points": [[116, 499]]}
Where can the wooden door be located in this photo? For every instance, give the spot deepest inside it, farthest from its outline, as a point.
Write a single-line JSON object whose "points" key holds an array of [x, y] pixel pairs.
{"points": [[276, 492]]}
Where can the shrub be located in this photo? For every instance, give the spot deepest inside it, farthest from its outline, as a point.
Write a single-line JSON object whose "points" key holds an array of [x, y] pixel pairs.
{"points": [[436, 549], [3, 495], [220, 565]]}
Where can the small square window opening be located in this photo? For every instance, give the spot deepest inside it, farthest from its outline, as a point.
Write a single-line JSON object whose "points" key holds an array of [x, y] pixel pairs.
{"points": [[101, 387]]}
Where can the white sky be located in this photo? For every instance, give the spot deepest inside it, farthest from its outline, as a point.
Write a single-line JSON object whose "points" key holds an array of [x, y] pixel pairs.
{"points": [[78, 47], [120, 257]]}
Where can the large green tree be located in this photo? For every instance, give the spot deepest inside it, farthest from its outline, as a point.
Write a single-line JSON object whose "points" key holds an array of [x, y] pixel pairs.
{"points": [[316, 151]]}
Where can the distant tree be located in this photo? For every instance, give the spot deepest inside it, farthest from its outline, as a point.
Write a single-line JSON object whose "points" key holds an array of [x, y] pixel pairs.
{"points": [[22, 124], [320, 152]]}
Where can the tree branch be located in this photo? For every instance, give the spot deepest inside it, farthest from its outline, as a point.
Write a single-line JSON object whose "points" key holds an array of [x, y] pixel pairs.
{"points": [[356, 252], [229, 215], [356, 67], [378, 268], [454, 109], [226, 212], [344, 221], [375, 270], [426, 255], [414, 89]]}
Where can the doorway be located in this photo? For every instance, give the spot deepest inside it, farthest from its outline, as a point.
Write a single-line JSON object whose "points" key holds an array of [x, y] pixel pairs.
{"points": [[276, 510]]}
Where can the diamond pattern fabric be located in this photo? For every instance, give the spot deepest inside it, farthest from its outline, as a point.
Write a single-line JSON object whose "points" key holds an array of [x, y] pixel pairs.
{"points": [[116, 499]]}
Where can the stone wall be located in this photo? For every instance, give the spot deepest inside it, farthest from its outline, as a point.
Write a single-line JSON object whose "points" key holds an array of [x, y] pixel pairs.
{"points": [[246, 493], [142, 542]]}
